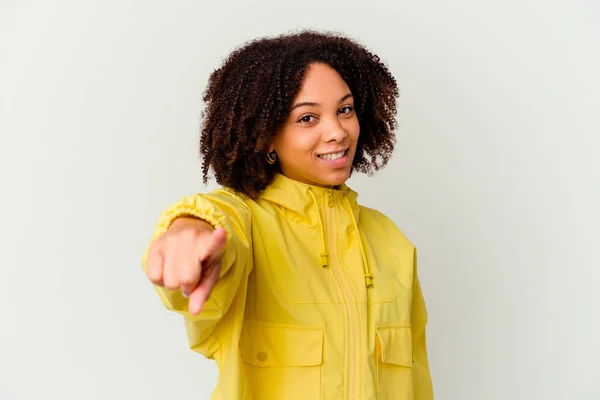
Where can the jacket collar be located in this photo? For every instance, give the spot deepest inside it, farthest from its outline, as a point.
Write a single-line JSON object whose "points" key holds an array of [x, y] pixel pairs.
{"points": [[295, 196]]}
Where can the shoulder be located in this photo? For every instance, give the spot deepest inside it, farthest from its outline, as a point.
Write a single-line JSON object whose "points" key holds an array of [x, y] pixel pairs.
{"points": [[373, 220], [370, 214], [229, 196], [225, 201]]}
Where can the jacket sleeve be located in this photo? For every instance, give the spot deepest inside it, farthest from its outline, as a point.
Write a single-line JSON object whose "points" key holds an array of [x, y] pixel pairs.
{"points": [[220, 208], [423, 388]]}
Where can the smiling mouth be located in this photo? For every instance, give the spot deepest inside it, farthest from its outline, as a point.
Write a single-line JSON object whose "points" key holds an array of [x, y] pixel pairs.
{"points": [[333, 156]]}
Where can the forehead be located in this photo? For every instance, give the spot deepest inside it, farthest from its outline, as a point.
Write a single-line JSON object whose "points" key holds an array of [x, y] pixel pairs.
{"points": [[320, 82]]}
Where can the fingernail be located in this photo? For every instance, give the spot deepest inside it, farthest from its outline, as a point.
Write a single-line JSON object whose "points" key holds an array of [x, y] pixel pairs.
{"points": [[184, 294]]}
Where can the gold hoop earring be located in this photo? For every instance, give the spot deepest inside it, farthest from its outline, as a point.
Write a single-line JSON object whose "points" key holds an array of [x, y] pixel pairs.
{"points": [[271, 157]]}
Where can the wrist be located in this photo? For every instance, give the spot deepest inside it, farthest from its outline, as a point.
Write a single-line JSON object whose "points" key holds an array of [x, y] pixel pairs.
{"points": [[191, 221]]}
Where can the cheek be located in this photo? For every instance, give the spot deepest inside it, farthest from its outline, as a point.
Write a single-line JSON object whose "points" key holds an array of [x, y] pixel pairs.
{"points": [[353, 129], [296, 143]]}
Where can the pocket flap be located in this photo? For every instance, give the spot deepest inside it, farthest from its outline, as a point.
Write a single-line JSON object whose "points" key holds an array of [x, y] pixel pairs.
{"points": [[395, 343], [277, 345]]}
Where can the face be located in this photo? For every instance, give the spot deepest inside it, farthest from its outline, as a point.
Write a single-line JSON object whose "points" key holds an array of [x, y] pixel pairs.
{"points": [[318, 141]]}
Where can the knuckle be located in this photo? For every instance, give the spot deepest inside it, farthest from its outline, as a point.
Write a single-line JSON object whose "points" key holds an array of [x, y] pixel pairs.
{"points": [[171, 240], [184, 238], [188, 278], [170, 284], [154, 275], [169, 280], [155, 250], [202, 234]]}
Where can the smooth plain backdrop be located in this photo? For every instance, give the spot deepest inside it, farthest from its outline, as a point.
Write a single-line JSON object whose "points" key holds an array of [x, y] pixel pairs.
{"points": [[495, 179]]}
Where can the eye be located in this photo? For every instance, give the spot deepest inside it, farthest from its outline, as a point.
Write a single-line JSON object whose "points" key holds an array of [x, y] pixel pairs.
{"points": [[346, 110], [307, 119]]}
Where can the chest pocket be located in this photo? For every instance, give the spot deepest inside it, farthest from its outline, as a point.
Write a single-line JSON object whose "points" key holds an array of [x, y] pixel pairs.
{"points": [[282, 361], [394, 362]]}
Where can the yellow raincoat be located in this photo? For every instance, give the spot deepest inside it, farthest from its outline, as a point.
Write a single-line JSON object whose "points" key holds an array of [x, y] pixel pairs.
{"points": [[319, 298]]}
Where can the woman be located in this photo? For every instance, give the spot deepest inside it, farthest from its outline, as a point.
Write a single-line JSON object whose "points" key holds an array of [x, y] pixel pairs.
{"points": [[295, 290]]}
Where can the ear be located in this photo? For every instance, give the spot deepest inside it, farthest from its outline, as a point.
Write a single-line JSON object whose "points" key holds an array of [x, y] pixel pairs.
{"points": [[271, 148]]}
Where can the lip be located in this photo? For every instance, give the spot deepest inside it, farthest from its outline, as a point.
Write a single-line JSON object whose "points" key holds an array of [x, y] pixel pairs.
{"points": [[339, 163]]}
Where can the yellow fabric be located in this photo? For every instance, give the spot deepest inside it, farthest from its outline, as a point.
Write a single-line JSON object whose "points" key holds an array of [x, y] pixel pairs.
{"points": [[319, 298]]}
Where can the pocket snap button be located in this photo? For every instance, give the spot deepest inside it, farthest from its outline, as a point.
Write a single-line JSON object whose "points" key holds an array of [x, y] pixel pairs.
{"points": [[261, 356]]}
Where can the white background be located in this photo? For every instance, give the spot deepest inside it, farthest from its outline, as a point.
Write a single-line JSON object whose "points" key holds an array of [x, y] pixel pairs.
{"points": [[495, 179]]}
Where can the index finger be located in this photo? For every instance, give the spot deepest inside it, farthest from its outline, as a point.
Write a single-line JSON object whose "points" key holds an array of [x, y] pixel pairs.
{"points": [[199, 296], [217, 243]]}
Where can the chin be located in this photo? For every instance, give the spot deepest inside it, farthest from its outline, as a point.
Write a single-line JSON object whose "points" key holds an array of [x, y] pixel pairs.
{"points": [[335, 178]]}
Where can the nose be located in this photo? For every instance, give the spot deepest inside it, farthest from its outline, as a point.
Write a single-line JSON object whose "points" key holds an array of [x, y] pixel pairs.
{"points": [[334, 131]]}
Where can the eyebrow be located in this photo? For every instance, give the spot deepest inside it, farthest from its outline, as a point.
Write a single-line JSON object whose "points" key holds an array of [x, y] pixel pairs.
{"points": [[312, 104]]}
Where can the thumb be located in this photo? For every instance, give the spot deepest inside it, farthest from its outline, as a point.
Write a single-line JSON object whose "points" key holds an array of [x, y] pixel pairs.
{"points": [[217, 243]]}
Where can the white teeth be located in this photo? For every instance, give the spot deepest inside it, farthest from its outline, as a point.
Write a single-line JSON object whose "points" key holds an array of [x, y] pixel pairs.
{"points": [[333, 156]]}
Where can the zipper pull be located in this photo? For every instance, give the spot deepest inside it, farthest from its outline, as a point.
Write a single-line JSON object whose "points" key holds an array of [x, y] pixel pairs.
{"points": [[324, 260], [369, 280]]}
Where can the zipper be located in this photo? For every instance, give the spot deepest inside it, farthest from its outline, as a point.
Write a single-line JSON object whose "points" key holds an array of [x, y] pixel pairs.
{"points": [[348, 299]]}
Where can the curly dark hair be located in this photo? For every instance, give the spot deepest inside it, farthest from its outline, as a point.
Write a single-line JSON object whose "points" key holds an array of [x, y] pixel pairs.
{"points": [[248, 100]]}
